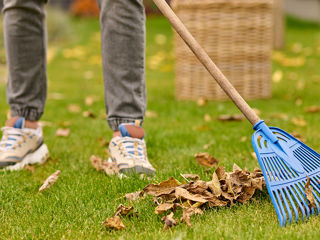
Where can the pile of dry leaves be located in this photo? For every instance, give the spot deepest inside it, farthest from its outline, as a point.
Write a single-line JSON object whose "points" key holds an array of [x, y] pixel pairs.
{"points": [[195, 195]]}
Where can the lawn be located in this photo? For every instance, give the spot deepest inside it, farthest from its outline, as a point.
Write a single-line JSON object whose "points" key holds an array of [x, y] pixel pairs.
{"points": [[76, 206]]}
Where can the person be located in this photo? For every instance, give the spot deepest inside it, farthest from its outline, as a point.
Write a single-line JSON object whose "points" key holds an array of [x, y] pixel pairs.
{"points": [[123, 52]]}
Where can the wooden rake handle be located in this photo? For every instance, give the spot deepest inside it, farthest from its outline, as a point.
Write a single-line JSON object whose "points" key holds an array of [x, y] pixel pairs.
{"points": [[207, 62]]}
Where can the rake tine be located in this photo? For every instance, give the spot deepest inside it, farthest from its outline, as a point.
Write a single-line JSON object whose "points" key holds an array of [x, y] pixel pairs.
{"points": [[315, 195], [286, 205], [300, 201], [299, 204], [283, 213], [304, 199]]}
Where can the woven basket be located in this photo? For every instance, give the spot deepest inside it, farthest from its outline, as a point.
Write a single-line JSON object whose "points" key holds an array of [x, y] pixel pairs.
{"points": [[237, 35]]}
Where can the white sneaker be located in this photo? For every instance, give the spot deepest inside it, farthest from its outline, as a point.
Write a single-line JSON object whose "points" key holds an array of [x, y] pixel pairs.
{"points": [[21, 146], [130, 153]]}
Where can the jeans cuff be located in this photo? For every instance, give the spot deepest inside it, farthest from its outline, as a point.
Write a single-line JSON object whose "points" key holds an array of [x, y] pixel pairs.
{"points": [[115, 122], [31, 114]]}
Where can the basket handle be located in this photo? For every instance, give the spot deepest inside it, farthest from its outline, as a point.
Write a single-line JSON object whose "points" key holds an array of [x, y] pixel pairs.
{"points": [[207, 62]]}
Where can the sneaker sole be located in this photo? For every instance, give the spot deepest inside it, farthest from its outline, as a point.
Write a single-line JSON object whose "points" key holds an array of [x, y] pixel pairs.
{"points": [[39, 156], [135, 170]]}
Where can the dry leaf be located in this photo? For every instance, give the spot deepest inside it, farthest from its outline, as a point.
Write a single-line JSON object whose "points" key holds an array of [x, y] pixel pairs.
{"points": [[193, 177], [89, 100], [29, 168], [254, 155], [201, 102], [169, 221], [229, 118], [243, 139], [214, 185], [163, 188], [56, 96], [277, 76], [183, 193], [206, 146], [187, 213], [50, 181], [298, 121], [160, 39], [309, 194], [133, 196], [205, 159], [151, 114], [89, 114], [110, 168], [281, 116], [114, 223], [298, 136], [298, 101], [45, 124], [312, 109], [123, 210], [74, 108], [207, 118], [161, 208], [63, 132]]}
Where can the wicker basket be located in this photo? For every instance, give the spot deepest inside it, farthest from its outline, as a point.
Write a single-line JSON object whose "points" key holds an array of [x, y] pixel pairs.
{"points": [[237, 35]]}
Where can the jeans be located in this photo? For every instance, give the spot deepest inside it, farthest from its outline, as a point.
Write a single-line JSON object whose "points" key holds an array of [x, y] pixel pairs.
{"points": [[123, 52]]}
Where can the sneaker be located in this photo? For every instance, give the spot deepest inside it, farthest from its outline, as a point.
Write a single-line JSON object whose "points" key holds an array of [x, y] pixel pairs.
{"points": [[21, 146], [129, 151]]}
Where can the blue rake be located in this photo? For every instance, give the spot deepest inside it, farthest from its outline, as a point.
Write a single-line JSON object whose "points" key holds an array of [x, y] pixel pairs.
{"points": [[286, 162]]}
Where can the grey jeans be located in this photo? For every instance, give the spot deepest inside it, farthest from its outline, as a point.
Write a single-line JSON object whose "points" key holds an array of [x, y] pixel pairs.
{"points": [[123, 53]]}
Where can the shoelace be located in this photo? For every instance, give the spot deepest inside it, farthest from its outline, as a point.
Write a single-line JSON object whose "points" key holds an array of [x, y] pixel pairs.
{"points": [[11, 138], [132, 148]]}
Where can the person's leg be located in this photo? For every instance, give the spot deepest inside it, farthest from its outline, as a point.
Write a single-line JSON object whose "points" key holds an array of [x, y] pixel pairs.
{"points": [[25, 42], [123, 52]]}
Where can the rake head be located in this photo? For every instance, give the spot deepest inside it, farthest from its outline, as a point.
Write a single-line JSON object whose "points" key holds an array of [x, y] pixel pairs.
{"points": [[286, 164]]}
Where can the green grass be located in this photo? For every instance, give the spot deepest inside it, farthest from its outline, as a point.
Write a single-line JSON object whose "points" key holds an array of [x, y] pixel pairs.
{"points": [[76, 206]]}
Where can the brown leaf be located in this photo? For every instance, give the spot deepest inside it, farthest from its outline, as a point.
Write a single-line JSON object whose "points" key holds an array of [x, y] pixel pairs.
{"points": [[110, 168], [281, 116], [123, 210], [133, 196], [74, 108], [193, 177], [298, 121], [228, 118], [202, 102], [89, 100], [246, 195], [188, 212], [151, 114], [312, 109], [161, 208], [163, 188], [183, 193], [298, 136], [221, 173], [29, 168], [254, 155], [214, 185], [89, 114], [169, 221], [205, 159], [114, 223], [309, 194], [63, 132], [207, 118], [50, 181]]}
